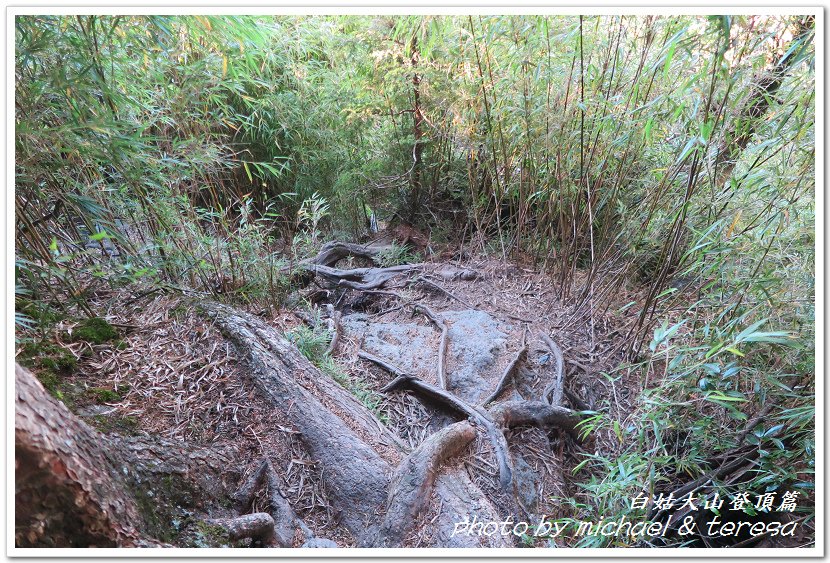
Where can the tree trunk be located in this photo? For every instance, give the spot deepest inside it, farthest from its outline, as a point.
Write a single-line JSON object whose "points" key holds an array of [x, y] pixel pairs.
{"points": [[75, 487], [417, 129], [766, 85]]}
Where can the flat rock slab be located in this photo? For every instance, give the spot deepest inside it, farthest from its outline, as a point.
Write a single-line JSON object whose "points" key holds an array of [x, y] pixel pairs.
{"points": [[477, 343]]}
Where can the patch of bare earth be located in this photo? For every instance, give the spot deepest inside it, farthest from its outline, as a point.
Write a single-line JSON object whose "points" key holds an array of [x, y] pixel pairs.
{"points": [[178, 377]]}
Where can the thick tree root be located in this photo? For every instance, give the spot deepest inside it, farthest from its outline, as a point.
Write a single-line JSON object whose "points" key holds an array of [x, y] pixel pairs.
{"points": [[440, 397], [412, 484], [442, 325], [362, 278], [65, 469], [535, 413], [332, 252], [258, 526], [358, 475], [285, 521]]}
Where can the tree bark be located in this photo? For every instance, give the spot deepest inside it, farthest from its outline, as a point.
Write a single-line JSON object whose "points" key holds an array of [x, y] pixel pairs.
{"points": [[371, 481], [766, 84], [347, 444], [75, 487], [418, 131]]}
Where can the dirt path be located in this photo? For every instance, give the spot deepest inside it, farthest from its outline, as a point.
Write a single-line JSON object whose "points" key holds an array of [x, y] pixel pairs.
{"points": [[179, 377]]}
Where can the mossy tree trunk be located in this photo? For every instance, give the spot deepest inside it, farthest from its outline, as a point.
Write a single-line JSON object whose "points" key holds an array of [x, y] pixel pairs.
{"points": [[75, 487]]}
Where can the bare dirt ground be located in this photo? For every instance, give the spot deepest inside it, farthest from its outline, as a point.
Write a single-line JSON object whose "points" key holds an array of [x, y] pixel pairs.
{"points": [[175, 375]]}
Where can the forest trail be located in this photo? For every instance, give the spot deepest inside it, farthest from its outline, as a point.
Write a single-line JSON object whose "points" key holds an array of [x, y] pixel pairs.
{"points": [[188, 381]]}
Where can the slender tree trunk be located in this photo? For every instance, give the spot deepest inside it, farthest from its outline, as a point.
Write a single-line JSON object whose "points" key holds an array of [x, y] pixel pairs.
{"points": [[766, 85], [417, 128]]}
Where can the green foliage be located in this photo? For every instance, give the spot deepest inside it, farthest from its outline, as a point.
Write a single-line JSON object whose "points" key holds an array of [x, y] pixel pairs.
{"points": [[396, 254], [312, 342]]}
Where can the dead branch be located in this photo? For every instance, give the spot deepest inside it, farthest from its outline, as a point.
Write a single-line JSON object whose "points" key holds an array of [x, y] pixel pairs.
{"points": [[576, 401]]}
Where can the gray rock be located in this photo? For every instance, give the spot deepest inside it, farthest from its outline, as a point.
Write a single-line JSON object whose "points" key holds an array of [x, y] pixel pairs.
{"points": [[410, 346], [319, 543], [476, 342], [474, 364]]}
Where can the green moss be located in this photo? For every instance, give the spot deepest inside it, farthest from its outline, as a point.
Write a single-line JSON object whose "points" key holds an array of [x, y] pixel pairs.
{"points": [[95, 330], [51, 382], [63, 362], [212, 535], [121, 424], [50, 364], [103, 395]]}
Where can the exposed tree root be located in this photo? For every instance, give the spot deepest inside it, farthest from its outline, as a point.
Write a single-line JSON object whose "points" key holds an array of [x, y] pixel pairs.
{"points": [[332, 252], [507, 376], [441, 397], [258, 526], [444, 327], [362, 278], [535, 413], [554, 391], [358, 474], [286, 520], [411, 486]]}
